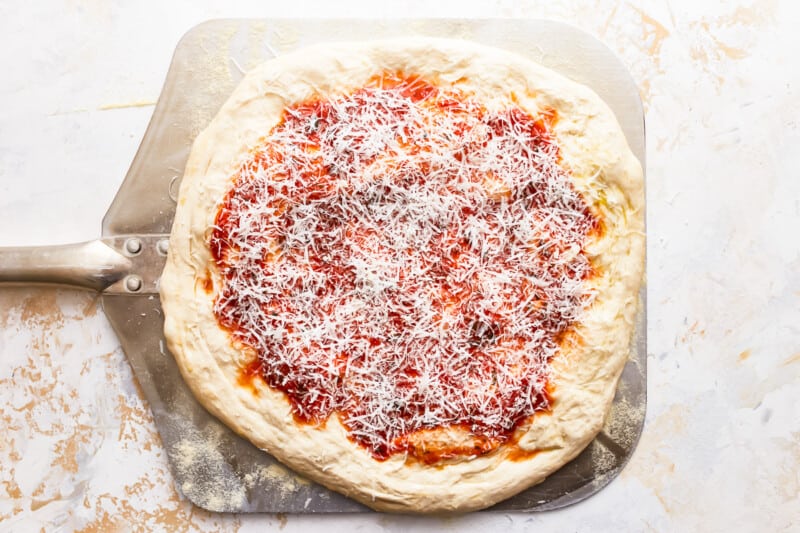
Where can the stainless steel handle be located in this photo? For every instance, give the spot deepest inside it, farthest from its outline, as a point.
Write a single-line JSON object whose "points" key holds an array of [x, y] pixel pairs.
{"points": [[91, 265]]}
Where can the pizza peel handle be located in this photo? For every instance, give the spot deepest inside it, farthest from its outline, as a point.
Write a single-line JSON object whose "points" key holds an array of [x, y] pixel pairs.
{"points": [[124, 264], [89, 265]]}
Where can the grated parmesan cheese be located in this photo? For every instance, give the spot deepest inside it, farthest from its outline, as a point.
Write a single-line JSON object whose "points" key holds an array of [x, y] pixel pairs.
{"points": [[405, 258]]}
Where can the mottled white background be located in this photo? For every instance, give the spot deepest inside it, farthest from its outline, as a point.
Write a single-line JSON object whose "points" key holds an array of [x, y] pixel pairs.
{"points": [[720, 82]]}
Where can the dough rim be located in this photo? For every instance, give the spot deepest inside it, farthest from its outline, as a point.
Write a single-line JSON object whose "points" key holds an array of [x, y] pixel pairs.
{"points": [[585, 379]]}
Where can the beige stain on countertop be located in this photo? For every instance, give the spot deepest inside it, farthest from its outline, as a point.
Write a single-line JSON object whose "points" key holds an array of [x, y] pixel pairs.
{"points": [[36, 379], [653, 36], [788, 478], [652, 465], [793, 359], [712, 44], [711, 49], [127, 105], [51, 410], [755, 385], [38, 311], [117, 513], [756, 16], [694, 333]]}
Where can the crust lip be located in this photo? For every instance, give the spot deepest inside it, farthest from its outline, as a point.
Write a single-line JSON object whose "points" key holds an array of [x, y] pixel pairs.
{"points": [[603, 169]]}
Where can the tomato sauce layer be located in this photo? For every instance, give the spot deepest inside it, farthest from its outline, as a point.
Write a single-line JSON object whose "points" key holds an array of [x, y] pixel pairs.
{"points": [[408, 259]]}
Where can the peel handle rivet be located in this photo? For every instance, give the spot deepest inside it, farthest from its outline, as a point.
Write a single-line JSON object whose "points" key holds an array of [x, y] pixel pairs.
{"points": [[133, 283], [163, 246], [133, 246]]}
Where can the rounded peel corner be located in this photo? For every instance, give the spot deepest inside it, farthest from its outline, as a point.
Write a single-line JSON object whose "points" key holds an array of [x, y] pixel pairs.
{"points": [[207, 27]]}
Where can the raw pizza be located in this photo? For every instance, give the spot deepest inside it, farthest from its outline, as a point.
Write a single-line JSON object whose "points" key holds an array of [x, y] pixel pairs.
{"points": [[408, 269]]}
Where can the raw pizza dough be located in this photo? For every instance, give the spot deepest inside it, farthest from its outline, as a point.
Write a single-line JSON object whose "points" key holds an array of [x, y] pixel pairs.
{"points": [[583, 377]]}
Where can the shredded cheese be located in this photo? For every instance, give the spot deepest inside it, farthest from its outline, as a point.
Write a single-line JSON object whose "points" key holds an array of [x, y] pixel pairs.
{"points": [[405, 258]]}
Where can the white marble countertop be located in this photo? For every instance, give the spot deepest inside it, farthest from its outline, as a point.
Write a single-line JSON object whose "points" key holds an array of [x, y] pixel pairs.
{"points": [[721, 446]]}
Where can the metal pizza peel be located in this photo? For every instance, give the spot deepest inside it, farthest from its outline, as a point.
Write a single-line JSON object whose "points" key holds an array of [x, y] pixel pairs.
{"points": [[212, 466]]}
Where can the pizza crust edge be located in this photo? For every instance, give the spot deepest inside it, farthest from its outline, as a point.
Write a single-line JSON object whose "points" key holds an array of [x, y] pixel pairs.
{"points": [[603, 169]]}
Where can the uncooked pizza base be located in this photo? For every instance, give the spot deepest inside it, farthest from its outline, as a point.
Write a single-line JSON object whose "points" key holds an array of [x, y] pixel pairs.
{"points": [[602, 169]]}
